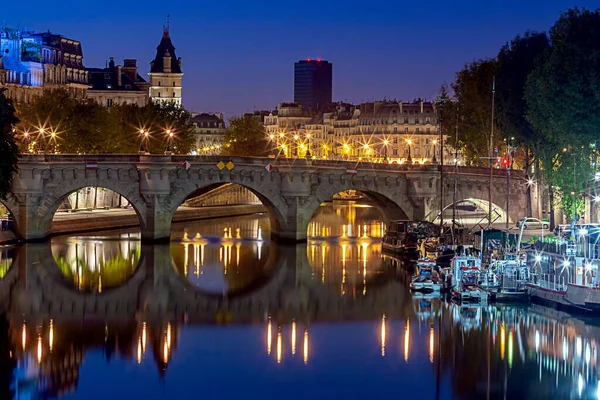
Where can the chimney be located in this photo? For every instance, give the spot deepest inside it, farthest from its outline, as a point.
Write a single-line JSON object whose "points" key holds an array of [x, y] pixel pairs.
{"points": [[167, 62], [130, 69], [400, 104], [119, 76], [421, 103], [111, 63]]}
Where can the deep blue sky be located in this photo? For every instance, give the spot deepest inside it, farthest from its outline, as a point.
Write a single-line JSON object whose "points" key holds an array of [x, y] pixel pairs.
{"points": [[238, 55]]}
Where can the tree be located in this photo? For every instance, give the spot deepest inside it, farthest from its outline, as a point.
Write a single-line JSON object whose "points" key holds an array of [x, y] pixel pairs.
{"points": [[8, 145], [70, 125], [516, 60], [563, 103], [245, 136], [471, 110]]}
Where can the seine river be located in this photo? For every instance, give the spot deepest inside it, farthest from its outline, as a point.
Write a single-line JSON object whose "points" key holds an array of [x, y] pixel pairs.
{"points": [[223, 313]]}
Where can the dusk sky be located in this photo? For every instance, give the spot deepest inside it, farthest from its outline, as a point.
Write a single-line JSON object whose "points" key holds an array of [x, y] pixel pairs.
{"points": [[238, 56]]}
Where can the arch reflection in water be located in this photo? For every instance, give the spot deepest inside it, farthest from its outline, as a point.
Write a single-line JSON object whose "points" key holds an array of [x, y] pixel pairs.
{"points": [[6, 259], [221, 256], [95, 264], [347, 219], [349, 264]]}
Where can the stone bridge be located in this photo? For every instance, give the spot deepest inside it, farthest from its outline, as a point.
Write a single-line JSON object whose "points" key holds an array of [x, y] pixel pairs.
{"points": [[157, 185]]}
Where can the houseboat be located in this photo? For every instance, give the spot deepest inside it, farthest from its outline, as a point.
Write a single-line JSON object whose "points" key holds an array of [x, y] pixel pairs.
{"points": [[466, 271], [427, 278], [565, 274]]}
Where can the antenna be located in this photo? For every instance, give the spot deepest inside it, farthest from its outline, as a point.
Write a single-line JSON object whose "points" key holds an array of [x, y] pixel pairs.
{"points": [[168, 25]]}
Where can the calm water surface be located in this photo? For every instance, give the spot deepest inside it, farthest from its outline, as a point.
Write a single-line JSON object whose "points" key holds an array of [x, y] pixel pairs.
{"points": [[224, 313]]}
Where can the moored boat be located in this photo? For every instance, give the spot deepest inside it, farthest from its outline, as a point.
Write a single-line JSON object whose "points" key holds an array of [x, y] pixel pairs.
{"points": [[465, 280], [427, 278]]}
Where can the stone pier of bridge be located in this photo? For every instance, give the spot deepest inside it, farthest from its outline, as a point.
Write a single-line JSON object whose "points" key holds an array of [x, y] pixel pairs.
{"points": [[292, 191]]}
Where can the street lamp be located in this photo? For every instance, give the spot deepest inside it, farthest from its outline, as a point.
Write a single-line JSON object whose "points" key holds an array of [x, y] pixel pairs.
{"points": [[42, 133], [53, 142], [409, 159], [26, 140], [385, 144], [308, 136], [434, 151], [169, 141]]}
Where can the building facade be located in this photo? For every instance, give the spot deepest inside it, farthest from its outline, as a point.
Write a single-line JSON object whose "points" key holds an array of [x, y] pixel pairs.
{"points": [[313, 83], [385, 131], [118, 84], [165, 72], [210, 133], [31, 62]]}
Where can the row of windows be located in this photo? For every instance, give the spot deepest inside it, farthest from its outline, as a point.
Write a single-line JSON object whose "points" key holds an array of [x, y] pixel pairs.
{"points": [[174, 85], [159, 94]]}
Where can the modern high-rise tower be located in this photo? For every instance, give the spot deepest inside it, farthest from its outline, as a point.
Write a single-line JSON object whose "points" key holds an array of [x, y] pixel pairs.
{"points": [[165, 72], [313, 83]]}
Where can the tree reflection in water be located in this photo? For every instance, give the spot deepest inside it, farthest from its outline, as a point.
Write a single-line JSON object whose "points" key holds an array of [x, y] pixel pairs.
{"points": [[95, 265]]}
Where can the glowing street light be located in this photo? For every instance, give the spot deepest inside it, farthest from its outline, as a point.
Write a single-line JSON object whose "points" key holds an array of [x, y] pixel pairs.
{"points": [[385, 144], [170, 136], [409, 159]]}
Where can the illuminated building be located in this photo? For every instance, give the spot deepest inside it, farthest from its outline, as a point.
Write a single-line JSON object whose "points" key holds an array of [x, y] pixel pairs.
{"points": [[210, 133], [313, 81], [117, 84], [31, 62], [165, 72]]}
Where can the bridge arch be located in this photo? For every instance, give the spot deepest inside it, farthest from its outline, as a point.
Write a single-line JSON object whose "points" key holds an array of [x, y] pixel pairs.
{"points": [[271, 200], [12, 207], [471, 211], [41, 223]]}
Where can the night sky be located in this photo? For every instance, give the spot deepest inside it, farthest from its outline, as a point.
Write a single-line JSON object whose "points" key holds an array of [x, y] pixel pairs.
{"points": [[238, 55]]}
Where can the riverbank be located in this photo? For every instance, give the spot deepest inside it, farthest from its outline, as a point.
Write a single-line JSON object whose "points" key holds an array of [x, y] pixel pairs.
{"points": [[88, 221]]}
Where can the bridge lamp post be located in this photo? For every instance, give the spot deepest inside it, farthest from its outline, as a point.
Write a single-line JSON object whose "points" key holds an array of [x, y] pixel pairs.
{"points": [[53, 142], [308, 136], [170, 136], [26, 140], [434, 151], [385, 150], [409, 159], [42, 133]]}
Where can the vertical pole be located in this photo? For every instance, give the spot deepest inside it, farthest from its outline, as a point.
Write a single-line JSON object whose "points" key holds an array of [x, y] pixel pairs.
{"points": [[441, 167], [455, 177], [491, 149], [508, 166]]}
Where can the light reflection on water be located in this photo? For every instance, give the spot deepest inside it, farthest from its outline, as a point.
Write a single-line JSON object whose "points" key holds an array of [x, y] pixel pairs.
{"points": [[355, 330]]}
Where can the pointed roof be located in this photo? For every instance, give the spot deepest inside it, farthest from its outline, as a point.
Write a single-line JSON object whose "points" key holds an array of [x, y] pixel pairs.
{"points": [[165, 48]]}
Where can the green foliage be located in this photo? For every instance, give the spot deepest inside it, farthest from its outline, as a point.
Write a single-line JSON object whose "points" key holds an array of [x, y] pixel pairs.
{"points": [[515, 61], [245, 137], [571, 205], [471, 110], [8, 145], [563, 103], [87, 127]]}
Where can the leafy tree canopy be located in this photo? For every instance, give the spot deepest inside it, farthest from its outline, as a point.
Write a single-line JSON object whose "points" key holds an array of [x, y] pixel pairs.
{"points": [[245, 136], [563, 102], [70, 125], [8, 145]]}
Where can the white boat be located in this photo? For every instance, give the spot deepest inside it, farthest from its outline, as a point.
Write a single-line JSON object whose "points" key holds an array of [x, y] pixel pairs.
{"points": [[465, 279], [425, 278]]}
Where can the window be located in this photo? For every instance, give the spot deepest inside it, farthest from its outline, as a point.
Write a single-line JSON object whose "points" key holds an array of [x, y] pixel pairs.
{"points": [[109, 86], [395, 140], [128, 87], [428, 130], [158, 94], [427, 120], [395, 129], [158, 83], [406, 120], [107, 76], [405, 130], [426, 141], [395, 152], [173, 84], [418, 130], [174, 94], [416, 120], [109, 103]]}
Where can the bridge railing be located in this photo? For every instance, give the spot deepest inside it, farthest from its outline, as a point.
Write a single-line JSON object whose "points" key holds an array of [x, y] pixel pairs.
{"points": [[277, 162]]}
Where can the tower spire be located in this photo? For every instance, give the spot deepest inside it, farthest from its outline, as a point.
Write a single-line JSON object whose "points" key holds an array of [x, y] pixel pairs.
{"points": [[167, 26]]}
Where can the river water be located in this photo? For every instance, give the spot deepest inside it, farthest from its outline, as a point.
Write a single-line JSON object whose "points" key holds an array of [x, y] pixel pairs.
{"points": [[224, 313]]}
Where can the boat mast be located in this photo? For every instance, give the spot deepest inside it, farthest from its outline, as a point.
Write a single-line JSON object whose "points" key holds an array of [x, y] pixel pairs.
{"points": [[491, 153], [441, 167], [455, 173]]}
